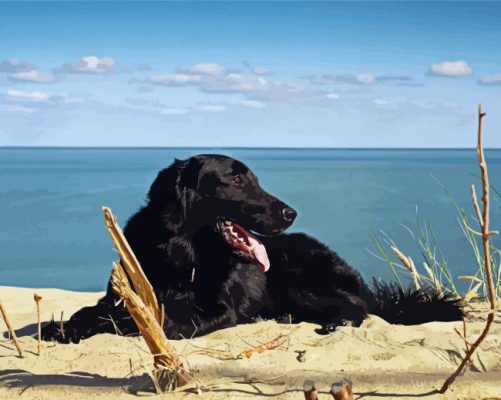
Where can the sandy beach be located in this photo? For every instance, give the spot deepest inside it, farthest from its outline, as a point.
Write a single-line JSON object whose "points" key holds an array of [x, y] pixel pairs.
{"points": [[382, 360]]}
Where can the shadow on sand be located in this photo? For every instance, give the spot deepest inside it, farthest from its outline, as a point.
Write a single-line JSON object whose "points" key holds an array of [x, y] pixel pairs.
{"points": [[28, 330], [24, 380], [20, 379]]}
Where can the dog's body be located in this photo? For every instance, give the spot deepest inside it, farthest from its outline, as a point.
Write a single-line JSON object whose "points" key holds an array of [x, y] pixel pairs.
{"points": [[193, 241]]}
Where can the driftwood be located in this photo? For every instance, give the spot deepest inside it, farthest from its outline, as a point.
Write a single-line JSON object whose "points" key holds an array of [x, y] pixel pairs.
{"points": [[169, 372], [37, 299], [230, 356], [310, 391], [12, 333], [280, 340], [342, 390], [483, 220], [131, 265], [130, 283]]}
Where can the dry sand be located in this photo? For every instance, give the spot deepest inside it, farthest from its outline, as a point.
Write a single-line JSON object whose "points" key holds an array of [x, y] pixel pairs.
{"points": [[383, 360]]}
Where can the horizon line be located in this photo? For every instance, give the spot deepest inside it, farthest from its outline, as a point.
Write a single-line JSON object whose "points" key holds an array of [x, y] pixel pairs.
{"points": [[233, 148]]}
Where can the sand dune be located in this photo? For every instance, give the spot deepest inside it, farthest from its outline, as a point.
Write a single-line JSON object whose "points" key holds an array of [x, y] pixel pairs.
{"points": [[383, 360]]}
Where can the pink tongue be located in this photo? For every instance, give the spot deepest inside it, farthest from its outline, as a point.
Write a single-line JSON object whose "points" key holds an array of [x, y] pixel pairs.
{"points": [[259, 252]]}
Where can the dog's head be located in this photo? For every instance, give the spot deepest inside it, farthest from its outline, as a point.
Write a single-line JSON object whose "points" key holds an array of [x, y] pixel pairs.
{"points": [[222, 192]]}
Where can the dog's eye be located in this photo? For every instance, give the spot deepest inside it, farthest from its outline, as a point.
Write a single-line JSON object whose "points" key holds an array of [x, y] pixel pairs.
{"points": [[237, 180]]}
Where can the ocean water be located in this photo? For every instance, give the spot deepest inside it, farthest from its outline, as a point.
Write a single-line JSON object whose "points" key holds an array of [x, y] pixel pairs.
{"points": [[51, 225]]}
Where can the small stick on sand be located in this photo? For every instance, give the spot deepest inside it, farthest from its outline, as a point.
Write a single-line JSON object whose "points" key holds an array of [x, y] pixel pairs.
{"points": [[266, 346], [11, 331], [342, 390], [310, 391], [37, 299], [61, 324], [300, 355]]}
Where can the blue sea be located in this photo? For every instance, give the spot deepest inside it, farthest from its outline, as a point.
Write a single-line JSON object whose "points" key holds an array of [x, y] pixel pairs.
{"points": [[51, 224]]}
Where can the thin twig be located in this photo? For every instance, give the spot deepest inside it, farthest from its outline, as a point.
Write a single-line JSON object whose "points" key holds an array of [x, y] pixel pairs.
{"points": [[227, 355], [280, 340], [61, 324], [12, 333], [467, 344], [37, 299], [463, 336], [484, 225]]}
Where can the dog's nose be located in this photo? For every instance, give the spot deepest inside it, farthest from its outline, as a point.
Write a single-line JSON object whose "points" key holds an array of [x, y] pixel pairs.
{"points": [[289, 214]]}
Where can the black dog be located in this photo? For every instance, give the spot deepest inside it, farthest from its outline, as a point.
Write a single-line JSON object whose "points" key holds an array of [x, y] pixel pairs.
{"points": [[194, 242]]}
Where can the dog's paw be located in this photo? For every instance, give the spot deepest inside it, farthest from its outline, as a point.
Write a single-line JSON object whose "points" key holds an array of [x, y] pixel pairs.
{"points": [[51, 332], [331, 327], [285, 319]]}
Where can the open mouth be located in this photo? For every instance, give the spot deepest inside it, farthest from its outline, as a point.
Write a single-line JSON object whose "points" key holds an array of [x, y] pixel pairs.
{"points": [[245, 244]]}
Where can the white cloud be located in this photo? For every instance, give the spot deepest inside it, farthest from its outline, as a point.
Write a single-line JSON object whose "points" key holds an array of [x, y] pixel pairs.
{"points": [[235, 82], [452, 69], [262, 81], [21, 96], [332, 96], [212, 107], [21, 109], [89, 65], [259, 70], [489, 80], [14, 65], [380, 102], [365, 79], [72, 100], [33, 76], [207, 69], [35, 97], [253, 104], [210, 80], [173, 111], [175, 79], [356, 79], [215, 78], [350, 79]]}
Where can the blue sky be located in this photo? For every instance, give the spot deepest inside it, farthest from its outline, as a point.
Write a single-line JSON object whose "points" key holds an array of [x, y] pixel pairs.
{"points": [[286, 74]]}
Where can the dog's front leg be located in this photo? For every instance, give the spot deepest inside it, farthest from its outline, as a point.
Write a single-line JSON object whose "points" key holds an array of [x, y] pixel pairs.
{"points": [[200, 324], [104, 317]]}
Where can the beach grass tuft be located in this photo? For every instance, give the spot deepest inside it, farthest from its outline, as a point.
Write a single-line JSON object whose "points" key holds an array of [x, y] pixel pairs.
{"points": [[434, 269]]}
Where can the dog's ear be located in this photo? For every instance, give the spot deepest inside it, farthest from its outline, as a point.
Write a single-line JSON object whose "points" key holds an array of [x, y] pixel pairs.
{"points": [[176, 185], [187, 184], [164, 188]]}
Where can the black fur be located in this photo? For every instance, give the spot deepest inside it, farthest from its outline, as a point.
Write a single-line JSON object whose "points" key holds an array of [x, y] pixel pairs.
{"points": [[206, 285]]}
